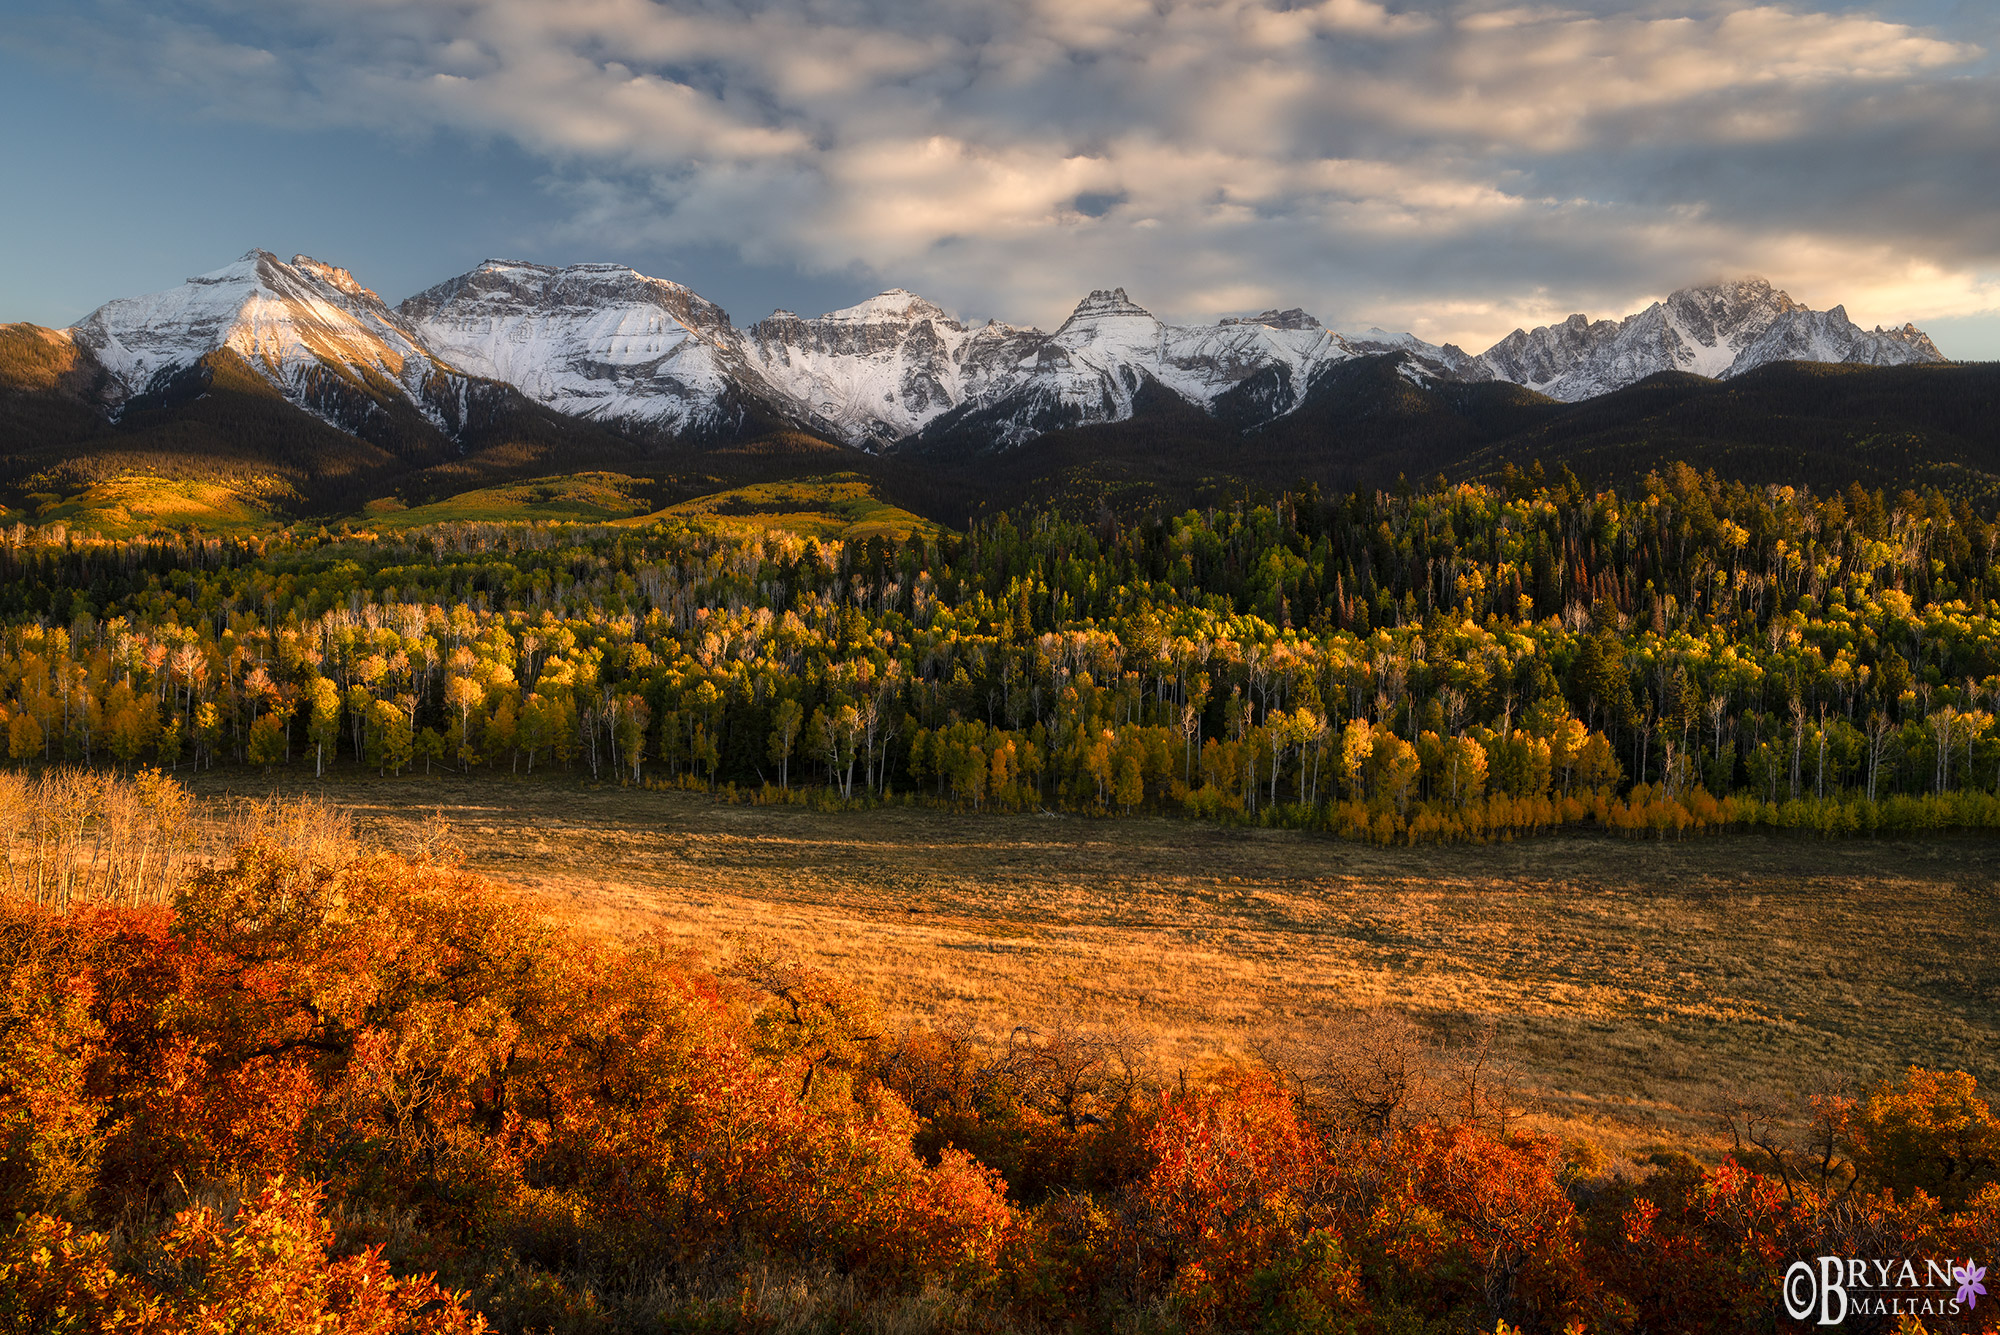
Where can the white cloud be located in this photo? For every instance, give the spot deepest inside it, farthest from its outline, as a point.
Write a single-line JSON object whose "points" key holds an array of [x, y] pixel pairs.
{"points": [[1451, 168]]}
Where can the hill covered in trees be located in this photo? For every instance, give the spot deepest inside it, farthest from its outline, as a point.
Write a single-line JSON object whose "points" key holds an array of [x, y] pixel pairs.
{"points": [[1367, 422], [1414, 665]]}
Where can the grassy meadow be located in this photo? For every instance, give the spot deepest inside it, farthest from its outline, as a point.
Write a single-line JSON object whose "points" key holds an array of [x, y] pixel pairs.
{"points": [[1633, 986], [575, 498], [132, 504], [843, 505]]}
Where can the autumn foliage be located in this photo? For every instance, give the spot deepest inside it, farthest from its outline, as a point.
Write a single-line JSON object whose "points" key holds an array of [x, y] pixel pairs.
{"points": [[1464, 662], [346, 1091]]}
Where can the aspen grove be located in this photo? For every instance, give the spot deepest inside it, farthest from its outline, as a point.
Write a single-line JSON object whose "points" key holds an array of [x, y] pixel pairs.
{"points": [[1457, 662]]}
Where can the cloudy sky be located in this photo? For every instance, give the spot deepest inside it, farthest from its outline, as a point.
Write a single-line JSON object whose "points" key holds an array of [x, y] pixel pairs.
{"points": [[1452, 167]]}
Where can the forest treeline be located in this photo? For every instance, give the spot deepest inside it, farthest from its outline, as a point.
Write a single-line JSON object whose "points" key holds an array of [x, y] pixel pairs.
{"points": [[1437, 663], [310, 1085]]}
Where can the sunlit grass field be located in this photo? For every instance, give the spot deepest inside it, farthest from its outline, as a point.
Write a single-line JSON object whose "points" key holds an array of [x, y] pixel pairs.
{"points": [[1632, 985], [137, 503], [575, 498], [839, 506]]}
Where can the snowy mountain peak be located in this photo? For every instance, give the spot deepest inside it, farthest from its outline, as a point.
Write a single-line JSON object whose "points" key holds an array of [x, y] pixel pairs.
{"points": [[1116, 326], [602, 341], [894, 305], [606, 342], [1745, 290], [1443, 363], [290, 322], [501, 283], [1716, 329]]}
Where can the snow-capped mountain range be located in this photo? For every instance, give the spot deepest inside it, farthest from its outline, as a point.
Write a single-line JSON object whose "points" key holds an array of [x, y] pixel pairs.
{"points": [[609, 344], [1720, 330]]}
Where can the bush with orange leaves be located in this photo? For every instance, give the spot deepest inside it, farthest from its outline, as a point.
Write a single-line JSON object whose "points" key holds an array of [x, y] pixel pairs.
{"points": [[1252, 1219], [399, 1033], [1930, 1132], [1240, 1212], [269, 1269]]}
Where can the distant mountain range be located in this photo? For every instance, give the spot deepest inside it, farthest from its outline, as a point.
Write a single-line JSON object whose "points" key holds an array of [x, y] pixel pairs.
{"points": [[607, 343], [514, 367]]}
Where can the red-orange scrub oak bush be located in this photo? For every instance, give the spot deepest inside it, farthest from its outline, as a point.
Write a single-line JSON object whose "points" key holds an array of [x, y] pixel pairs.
{"points": [[268, 1269], [402, 1034]]}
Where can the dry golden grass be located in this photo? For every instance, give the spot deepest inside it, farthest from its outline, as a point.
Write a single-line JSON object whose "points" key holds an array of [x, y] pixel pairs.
{"points": [[1632, 984]]}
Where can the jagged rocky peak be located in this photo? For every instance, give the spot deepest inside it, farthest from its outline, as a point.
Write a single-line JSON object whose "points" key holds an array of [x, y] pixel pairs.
{"points": [[1715, 311], [1295, 318], [1112, 301], [333, 275], [866, 374], [1915, 337], [1720, 329], [1109, 317]]}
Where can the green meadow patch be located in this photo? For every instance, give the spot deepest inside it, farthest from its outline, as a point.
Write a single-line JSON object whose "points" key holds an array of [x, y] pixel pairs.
{"points": [[581, 498], [840, 505], [134, 504]]}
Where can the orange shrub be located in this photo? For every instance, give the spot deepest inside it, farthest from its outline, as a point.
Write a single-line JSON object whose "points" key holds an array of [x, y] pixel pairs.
{"points": [[268, 1270]]}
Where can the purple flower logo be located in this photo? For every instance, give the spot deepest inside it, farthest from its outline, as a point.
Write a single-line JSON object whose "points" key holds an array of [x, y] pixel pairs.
{"points": [[1970, 1284]]}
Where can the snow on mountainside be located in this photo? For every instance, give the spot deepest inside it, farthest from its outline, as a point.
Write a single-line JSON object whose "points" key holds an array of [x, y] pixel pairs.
{"points": [[1198, 362], [1717, 330], [874, 373], [1444, 363], [604, 342], [295, 324], [897, 365], [592, 340]]}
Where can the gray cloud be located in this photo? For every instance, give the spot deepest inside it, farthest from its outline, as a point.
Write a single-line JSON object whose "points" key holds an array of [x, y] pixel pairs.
{"points": [[1454, 168]]}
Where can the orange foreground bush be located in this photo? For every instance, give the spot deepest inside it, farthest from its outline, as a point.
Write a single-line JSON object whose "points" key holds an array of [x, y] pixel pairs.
{"points": [[290, 1099], [269, 1270]]}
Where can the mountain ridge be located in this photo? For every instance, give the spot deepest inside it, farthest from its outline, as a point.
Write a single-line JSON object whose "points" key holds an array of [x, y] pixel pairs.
{"points": [[1718, 330], [515, 369], [605, 343]]}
